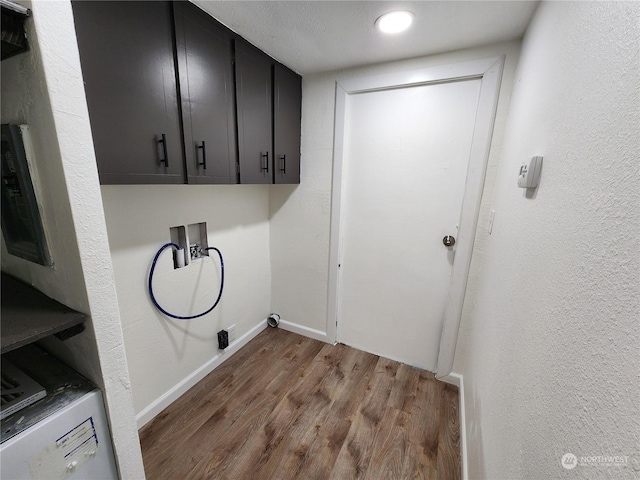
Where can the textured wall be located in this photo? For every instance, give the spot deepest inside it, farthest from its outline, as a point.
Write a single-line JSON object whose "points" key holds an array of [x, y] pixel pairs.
{"points": [[161, 351], [300, 215], [43, 88], [552, 363], [25, 99]]}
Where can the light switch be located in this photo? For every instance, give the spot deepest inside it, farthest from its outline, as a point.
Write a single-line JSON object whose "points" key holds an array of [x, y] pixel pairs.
{"points": [[492, 215]]}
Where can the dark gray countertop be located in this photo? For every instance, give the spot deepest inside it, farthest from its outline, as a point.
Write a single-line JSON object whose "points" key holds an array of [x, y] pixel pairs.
{"points": [[29, 315]]}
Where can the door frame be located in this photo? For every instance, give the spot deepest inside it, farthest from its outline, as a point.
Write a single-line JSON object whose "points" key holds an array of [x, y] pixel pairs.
{"points": [[489, 71]]}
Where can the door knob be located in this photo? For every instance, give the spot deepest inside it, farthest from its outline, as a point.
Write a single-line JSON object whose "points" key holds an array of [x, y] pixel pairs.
{"points": [[449, 241]]}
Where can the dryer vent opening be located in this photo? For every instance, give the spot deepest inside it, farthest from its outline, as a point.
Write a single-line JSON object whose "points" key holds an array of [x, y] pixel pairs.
{"points": [[273, 320]]}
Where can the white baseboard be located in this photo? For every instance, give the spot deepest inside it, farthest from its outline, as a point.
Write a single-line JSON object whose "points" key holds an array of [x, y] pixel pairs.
{"points": [[452, 379], [179, 389], [304, 331], [458, 380]]}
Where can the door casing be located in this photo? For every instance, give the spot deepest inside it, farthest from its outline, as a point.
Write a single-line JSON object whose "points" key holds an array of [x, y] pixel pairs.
{"points": [[489, 71]]}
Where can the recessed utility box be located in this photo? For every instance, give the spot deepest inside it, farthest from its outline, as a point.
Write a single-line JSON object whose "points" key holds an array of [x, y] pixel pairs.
{"points": [[179, 237], [198, 240]]}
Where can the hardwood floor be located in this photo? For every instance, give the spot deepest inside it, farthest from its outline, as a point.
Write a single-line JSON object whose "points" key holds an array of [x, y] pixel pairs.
{"points": [[288, 407]]}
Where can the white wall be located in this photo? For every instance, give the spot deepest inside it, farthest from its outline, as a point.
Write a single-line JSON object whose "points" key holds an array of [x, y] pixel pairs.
{"points": [[300, 216], [552, 363], [162, 352], [43, 88]]}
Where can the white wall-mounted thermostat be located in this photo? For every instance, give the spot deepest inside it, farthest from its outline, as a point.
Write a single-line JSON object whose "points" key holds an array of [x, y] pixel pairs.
{"points": [[529, 175]]}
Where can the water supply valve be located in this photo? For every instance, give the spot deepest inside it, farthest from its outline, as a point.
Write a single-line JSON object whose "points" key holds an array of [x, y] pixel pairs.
{"points": [[195, 251]]}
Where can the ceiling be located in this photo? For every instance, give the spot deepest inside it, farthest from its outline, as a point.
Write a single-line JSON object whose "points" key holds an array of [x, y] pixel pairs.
{"points": [[313, 36]]}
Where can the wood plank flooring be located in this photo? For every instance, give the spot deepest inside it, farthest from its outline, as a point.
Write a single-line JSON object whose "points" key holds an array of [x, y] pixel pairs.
{"points": [[289, 407]]}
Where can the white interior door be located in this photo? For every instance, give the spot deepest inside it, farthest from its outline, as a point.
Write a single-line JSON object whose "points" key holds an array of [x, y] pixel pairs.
{"points": [[406, 154]]}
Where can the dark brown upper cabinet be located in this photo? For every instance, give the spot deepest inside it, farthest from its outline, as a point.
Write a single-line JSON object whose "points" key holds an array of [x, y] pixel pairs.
{"points": [[127, 55], [287, 105], [204, 50], [176, 97], [254, 87], [269, 98]]}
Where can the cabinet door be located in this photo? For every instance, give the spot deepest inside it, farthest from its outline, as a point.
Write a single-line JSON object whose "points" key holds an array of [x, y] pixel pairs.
{"points": [[287, 104], [126, 52], [206, 88], [254, 97]]}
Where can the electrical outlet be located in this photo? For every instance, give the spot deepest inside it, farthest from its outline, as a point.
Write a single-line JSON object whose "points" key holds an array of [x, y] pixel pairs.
{"points": [[232, 333], [223, 339]]}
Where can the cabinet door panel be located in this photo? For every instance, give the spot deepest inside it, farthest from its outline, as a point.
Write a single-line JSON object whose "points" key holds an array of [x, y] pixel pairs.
{"points": [[254, 97], [287, 103], [206, 87], [126, 51]]}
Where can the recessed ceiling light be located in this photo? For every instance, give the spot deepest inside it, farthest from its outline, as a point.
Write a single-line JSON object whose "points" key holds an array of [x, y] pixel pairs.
{"points": [[394, 22]]}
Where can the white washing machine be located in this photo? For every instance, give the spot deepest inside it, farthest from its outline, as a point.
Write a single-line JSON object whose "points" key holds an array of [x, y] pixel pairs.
{"points": [[63, 435]]}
